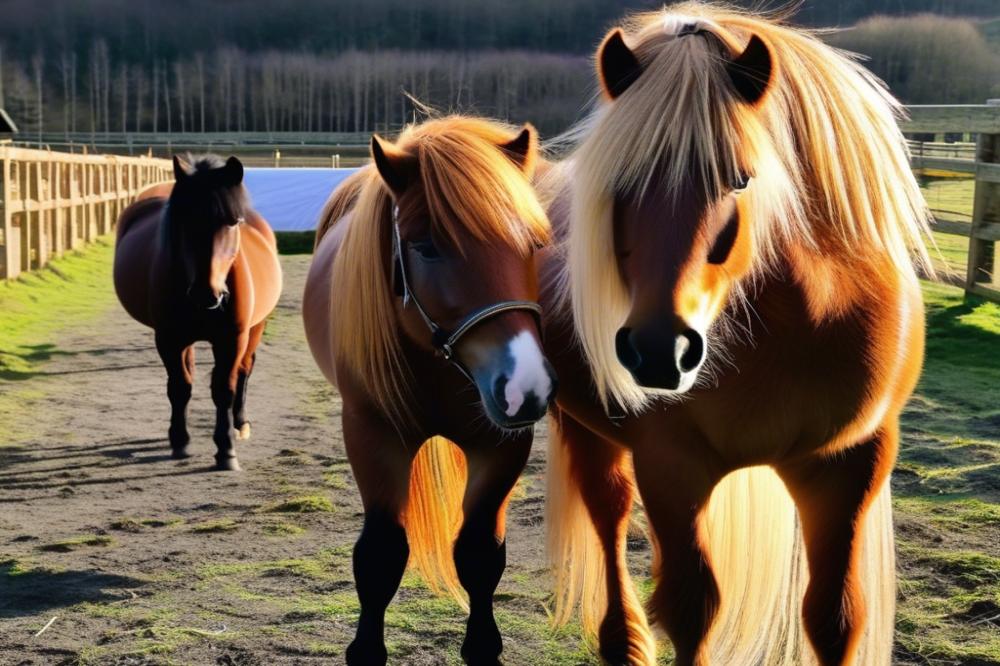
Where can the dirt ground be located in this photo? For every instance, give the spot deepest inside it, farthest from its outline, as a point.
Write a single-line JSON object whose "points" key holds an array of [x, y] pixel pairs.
{"points": [[112, 553], [142, 559]]}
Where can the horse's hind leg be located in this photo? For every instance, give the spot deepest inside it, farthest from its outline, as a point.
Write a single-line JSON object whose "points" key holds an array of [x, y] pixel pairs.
{"points": [[600, 469], [481, 547], [675, 484], [240, 421], [227, 351], [381, 465], [833, 494], [178, 359]]}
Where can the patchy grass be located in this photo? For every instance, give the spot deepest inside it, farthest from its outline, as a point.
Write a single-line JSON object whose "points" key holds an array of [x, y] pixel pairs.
{"points": [[215, 526], [947, 490], [283, 529], [302, 504], [139, 524], [76, 543]]}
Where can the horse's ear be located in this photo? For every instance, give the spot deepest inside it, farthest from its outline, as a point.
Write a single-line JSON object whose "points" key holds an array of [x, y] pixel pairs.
{"points": [[397, 168], [523, 149], [181, 169], [617, 65], [232, 172], [751, 71]]}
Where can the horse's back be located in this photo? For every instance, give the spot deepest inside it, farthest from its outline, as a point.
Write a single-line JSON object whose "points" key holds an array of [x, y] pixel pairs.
{"points": [[317, 299], [259, 247], [161, 191], [135, 255]]}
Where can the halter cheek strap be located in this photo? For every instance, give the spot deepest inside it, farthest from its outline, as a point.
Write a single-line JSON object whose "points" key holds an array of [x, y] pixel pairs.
{"points": [[442, 339]]}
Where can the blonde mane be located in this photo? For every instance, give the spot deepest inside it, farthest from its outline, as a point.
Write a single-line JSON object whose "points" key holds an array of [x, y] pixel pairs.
{"points": [[830, 167], [472, 189]]}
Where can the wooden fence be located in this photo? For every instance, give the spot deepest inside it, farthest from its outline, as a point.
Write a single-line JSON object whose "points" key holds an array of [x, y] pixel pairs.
{"points": [[51, 202], [983, 231]]}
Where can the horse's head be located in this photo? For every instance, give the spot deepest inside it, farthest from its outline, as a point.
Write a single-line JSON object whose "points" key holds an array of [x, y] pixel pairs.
{"points": [[207, 206], [663, 229], [465, 227]]}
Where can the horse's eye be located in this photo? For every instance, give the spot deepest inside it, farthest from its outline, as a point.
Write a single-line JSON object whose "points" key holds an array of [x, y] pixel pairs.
{"points": [[426, 249], [742, 182], [723, 245]]}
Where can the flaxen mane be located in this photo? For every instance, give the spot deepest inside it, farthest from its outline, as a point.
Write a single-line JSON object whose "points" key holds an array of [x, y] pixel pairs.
{"points": [[471, 189], [830, 167]]}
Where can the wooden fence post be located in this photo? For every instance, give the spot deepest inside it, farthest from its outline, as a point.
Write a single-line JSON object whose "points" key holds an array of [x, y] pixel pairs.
{"points": [[982, 278], [11, 258]]}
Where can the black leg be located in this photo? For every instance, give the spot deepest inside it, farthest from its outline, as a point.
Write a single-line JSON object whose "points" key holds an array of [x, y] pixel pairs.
{"points": [[380, 557], [178, 360], [240, 421], [481, 549], [240, 403], [223, 391], [480, 560]]}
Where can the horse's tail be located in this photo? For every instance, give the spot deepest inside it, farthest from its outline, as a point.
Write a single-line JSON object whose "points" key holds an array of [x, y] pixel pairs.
{"points": [[434, 514], [878, 577], [341, 201], [577, 558], [574, 551]]}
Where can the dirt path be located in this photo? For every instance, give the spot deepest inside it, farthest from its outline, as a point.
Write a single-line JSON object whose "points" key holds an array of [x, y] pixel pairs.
{"points": [[143, 559]]}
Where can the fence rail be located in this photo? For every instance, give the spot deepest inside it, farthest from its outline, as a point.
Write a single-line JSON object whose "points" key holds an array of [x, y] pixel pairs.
{"points": [[54, 201], [983, 165], [51, 202]]}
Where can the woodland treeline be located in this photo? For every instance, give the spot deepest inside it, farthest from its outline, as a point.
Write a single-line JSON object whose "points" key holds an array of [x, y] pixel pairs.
{"points": [[180, 66]]}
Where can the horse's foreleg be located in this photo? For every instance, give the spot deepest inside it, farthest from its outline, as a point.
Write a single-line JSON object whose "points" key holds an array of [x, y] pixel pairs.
{"points": [[481, 547], [832, 494], [240, 421], [600, 469], [381, 466], [178, 359], [675, 487], [228, 352]]}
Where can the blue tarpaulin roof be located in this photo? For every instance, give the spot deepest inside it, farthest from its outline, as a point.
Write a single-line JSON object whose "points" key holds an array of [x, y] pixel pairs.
{"points": [[292, 199]]}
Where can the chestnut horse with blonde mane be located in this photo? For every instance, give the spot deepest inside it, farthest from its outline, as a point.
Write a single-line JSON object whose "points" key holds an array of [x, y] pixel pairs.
{"points": [[195, 262], [420, 306], [736, 309]]}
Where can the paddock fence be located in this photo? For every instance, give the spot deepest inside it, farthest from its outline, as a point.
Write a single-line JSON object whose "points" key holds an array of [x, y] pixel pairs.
{"points": [[979, 161], [51, 202]]}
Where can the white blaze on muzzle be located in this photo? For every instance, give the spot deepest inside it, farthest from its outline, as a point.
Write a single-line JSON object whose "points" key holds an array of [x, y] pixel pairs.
{"points": [[529, 375]]}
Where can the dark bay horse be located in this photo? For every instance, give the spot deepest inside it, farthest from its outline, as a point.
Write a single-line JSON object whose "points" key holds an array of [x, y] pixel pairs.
{"points": [[420, 306], [737, 311], [195, 262]]}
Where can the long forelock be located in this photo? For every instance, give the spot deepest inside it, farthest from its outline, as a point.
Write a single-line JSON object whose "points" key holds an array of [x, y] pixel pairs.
{"points": [[829, 164], [471, 188]]}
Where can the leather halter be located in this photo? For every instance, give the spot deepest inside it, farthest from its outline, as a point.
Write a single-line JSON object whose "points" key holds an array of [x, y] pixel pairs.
{"points": [[442, 339]]}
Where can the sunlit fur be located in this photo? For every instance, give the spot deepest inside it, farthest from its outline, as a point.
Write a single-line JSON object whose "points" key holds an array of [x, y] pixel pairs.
{"points": [[471, 189], [830, 166], [831, 176]]}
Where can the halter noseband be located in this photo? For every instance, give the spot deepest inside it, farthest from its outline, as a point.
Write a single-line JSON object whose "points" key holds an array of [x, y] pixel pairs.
{"points": [[442, 339]]}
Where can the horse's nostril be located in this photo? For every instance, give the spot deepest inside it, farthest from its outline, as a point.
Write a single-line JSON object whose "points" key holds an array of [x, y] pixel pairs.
{"points": [[688, 350], [628, 355], [500, 392]]}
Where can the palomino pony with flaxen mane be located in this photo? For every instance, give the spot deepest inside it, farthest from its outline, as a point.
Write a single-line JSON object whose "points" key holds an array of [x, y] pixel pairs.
{"points": [[420, 306], [740, 227], [195, 262]]}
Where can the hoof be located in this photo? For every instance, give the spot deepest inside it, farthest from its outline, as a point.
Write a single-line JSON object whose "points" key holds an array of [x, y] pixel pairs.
{"points": [[243, 432], [227, 464], [179, 453], [359, 655]]}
